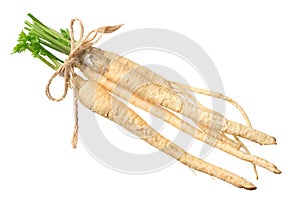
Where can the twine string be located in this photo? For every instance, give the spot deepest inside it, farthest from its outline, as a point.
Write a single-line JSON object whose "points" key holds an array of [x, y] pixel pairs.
{"points": [[67, 68]]}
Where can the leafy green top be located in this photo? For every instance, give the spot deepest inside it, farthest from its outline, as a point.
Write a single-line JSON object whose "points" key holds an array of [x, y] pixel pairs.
{"points": [[38, 38]]}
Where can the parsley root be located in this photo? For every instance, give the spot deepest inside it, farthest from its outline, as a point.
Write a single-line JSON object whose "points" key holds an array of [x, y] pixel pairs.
{"points": [[110, 75]]}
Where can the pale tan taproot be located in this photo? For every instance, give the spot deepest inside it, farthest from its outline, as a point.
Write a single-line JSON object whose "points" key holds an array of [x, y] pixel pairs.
{"points": [[99, 100], [217, 141], [128, 96], [156, 89]]}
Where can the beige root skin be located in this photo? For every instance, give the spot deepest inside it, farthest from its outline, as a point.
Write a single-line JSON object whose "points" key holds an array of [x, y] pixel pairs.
{"points": [[98, 99], [154, 89], [218, 122], [146, 105], [160, 112], [157, 90], [235, 104]]}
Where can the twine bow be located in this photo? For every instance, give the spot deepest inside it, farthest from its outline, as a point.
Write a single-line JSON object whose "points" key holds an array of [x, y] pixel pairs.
{"points": [[67, 69]]}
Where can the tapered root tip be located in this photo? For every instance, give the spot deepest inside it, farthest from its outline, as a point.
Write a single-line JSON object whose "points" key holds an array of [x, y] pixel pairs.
{"points": [[243, 183], [274, 140], [269, 141], [271, 167], [277, 171], [249, 186]]}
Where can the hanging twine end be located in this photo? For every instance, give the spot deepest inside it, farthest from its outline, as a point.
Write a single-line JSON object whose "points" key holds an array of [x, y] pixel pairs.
{"points": [[74, 145], [67, 69], [75, 139], [75, 134]]}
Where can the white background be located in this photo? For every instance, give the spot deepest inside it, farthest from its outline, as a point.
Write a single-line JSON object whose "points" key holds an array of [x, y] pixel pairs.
{"points": [[255, 46]]}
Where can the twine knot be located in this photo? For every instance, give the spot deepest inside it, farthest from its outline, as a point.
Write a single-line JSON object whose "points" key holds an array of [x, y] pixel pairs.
{"points": [[67, 68]]}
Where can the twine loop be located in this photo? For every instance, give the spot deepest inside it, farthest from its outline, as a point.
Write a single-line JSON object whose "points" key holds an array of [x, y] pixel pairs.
{"points": [[66, 70]]}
